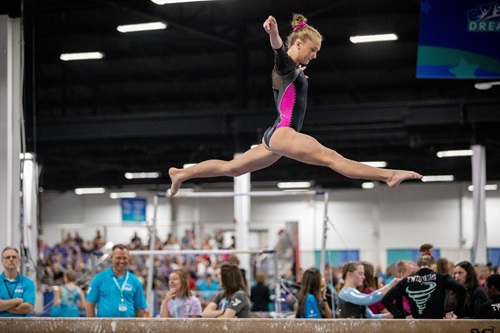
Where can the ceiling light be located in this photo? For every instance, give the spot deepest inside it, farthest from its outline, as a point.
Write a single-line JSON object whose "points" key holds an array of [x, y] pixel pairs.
{"points": [[284, 185], [141, 27], [454, 153], [368, 185], [489, 187], [141, 175], [486, 85], [26, 156], [376, 164], [90, 190], [373, 38], [81, 56], [165, 2], [119, 195], [440, 178]]}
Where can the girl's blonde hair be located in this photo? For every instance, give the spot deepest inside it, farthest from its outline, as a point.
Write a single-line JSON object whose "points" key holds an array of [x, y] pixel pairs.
{"points": [[302, 31]]}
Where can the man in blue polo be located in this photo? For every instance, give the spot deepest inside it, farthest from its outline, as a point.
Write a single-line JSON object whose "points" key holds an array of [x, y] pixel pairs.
{"points": [[116, 291], [17, 292]]}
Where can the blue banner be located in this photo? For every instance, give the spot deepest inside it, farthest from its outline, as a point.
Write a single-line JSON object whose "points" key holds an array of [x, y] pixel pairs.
{"points": [[459, 39], [133, 209]]}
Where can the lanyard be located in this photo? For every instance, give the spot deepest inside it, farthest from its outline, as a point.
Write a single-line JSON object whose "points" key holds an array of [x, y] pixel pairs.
{"points": [[224, 303], [176, 312], [8, 289], [122, 288]]}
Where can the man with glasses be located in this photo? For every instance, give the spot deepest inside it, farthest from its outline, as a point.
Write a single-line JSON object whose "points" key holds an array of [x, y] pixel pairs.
{"points": [[17, 292]]}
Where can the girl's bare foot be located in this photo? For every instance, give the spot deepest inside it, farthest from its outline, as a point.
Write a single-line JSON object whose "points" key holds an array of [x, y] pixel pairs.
{"points": [[176, 181], [401, 175]]}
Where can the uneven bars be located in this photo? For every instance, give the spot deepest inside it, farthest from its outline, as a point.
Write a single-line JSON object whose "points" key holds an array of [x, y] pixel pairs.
{"points": [[146, 252], [232, 194]]}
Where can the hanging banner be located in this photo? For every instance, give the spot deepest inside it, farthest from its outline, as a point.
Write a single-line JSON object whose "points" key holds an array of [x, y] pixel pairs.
{"points": [[133, 209], [459, 39]]}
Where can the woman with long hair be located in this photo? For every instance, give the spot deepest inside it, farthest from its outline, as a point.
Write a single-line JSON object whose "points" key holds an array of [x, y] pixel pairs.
{"points": [[475, 295], [179, 301], [425, 291], [353, 303], [371, 284], [312, 302], [233, 301]]}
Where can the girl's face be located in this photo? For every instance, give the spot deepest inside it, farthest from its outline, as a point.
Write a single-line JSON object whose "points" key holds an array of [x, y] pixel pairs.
{"points": [[358, 276], [308, 50], [174, 282], [460, 274]]}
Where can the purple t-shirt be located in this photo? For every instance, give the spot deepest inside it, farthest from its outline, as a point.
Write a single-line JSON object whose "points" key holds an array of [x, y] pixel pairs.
{"points": [[183, 307]]}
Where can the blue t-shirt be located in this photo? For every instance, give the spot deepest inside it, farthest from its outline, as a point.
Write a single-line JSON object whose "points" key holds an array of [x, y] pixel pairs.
{"points": [[311, 308], [106, 290], [21, 287]]}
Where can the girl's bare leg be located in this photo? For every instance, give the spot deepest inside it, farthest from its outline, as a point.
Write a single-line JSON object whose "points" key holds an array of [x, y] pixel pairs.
{"points": [[254, 159], [306, 149]]}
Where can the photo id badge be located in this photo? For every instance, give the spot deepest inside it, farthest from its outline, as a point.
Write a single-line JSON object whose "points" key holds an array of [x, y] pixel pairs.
{"points": [[122, 307]]}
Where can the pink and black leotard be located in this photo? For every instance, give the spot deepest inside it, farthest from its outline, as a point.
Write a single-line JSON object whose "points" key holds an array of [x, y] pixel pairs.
{"points": [[290, 93]]}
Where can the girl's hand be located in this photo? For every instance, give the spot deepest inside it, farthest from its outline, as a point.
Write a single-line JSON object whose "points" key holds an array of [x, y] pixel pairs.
{"points": [[271, 26], [450, 315], [170, 294], [303, 68]]}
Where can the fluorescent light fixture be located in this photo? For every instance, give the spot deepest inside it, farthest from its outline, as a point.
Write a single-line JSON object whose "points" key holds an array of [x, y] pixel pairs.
{"points": [[165, 2], [90, 190], [373, 38], [489, 187], [376, 164], [141, 175], [368, 185], [454, 153], [486, 85], [26, 156], [81, 56], [141, 27], [285, 185], [440, 178], [119, 195], [187, 165]]}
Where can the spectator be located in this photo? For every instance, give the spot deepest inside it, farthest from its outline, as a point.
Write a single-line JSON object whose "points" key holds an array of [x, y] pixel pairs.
{"points": [[312, 302], [425, 291], [17, 292], [491, 309], [260, 295], [179, 301], [69, 298], [353, 303], [475, 296], [233, 301], [369, 286], [118, 292]]}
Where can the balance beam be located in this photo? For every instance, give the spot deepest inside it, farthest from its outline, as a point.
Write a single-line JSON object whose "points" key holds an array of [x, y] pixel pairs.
{"points": [[251, 325]]}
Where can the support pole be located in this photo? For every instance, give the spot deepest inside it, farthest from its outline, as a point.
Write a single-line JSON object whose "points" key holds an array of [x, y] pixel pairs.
{"points": [[242, 206], [152, 240], [322, 260], [478, 196]]}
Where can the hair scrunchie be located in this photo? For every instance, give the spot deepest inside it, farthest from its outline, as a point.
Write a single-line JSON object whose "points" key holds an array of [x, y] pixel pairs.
{"points": [[300, 26]]}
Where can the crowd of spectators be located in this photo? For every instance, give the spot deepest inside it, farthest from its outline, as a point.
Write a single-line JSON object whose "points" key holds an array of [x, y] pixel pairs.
{"points": [[75, 254]]}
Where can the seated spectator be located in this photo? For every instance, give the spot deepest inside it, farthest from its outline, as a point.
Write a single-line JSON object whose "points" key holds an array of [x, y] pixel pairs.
{"points": [[260, 295], [491, 309]]}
